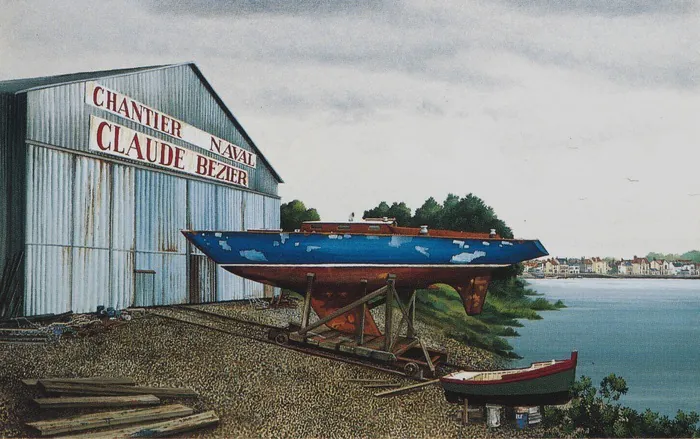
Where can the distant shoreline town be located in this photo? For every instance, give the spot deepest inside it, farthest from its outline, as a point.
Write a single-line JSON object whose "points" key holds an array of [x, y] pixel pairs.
{"points": [[610, 267]]}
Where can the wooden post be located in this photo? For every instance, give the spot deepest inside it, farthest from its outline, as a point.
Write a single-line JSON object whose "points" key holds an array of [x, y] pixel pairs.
{"points": [[307, 299], [465, 412], [411, 316], [363, 312], [391, 280]]}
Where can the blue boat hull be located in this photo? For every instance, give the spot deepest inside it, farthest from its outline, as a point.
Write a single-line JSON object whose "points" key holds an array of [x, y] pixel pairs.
{"points": [[266, 248]]}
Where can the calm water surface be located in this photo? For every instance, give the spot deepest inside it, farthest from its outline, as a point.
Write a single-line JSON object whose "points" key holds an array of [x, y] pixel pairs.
{"points": [[646, 330]]}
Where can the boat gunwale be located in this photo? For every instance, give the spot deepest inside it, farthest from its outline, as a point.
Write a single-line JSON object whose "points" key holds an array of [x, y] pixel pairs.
{"points": [[277, 232], [559, 366]]}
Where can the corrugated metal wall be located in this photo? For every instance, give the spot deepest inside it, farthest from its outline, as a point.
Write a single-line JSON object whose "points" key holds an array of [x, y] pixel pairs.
{"points": [[13, 160], [102, 233], [59, 116], [229, 216], [4, 141]]}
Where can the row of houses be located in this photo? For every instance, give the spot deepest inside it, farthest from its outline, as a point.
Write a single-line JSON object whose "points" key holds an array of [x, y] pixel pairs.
{"points": [[623, 267]]}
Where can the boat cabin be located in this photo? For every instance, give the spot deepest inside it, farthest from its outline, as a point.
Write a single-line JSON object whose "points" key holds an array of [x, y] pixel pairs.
{"points": [[386, 226]]}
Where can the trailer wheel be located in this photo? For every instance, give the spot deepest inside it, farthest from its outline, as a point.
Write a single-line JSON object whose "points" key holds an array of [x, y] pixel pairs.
{"points": [[411, 369], [282, 338]]}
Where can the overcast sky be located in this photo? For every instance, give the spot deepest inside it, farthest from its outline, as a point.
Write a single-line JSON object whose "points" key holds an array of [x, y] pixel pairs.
{"points": [[578, 121]]}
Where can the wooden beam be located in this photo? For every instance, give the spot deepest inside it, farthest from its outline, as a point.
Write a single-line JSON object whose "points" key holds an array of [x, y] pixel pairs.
{"points": [[363, 312], [98, 381], [88, 389], [406, 389], [97, 401], [388, 311], [105, 419], [426, 355], [404, 313], [307, 299], [465, 412], [342, 310], [366, 380], [410, 333], [380, 385], [172, 427]]}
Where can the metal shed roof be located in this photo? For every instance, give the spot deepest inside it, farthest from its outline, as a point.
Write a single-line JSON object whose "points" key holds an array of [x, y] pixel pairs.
{"points": [[18, 86]]}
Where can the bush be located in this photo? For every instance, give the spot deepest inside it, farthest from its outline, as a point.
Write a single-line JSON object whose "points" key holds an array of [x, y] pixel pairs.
{"points": [[597, 413]]}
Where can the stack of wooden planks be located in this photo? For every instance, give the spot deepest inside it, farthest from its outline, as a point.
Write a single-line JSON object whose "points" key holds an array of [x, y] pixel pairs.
{"points": [[137, 406]]}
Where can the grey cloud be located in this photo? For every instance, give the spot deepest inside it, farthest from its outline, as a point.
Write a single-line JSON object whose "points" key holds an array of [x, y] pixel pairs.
{"points": [[341, 104], [648, 72], [275, 7], [612, 8]]}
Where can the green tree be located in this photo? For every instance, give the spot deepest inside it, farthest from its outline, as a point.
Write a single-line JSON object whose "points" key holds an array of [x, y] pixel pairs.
{"points": [[428, 214], [381, 211], [597, 413], [400, 211], [294, 213]]}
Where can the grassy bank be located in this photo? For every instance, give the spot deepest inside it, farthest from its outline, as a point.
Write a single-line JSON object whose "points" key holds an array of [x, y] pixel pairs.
{"points": [[507, 301]]}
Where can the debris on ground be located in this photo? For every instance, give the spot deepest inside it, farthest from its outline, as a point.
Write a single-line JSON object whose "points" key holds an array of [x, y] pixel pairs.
{"points": [[180, 418]]}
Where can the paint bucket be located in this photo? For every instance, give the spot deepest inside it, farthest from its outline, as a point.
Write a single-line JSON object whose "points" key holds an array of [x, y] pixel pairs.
{"points": [[521, 416], [493, 415]]}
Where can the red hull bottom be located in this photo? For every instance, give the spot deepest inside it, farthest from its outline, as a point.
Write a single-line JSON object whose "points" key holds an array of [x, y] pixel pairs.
{"points": [[336, 287]]}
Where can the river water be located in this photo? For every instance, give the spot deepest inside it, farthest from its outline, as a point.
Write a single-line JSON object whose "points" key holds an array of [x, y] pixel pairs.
{"points": [[645, 330]]}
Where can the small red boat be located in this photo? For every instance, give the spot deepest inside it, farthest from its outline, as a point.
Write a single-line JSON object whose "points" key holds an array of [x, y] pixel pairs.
{"points": [[543, 383]]}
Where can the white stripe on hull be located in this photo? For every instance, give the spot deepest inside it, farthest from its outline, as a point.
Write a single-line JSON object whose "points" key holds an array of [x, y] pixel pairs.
{"points": [[370, 265]]}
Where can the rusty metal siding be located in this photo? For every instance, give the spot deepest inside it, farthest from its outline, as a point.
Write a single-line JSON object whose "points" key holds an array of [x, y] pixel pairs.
{"points": [[144, 288], [123, 207], [59, 115], [272, 213], [161, 212], [91, 203], [121, 279], [174, 279], [202, 205], [253, 218], [91, 275], [229, 216], [49, 196], [202, 279], [48, 279]]}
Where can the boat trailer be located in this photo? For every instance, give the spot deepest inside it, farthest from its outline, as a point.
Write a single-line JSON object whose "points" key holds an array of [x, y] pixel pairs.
{"points": [[405, 352]]}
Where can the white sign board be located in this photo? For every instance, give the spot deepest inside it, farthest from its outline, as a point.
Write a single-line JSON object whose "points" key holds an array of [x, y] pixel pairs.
{"points": [[117, 103], [116, 140]]}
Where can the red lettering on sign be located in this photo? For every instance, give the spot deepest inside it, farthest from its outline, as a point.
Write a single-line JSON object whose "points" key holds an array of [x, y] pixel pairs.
{"points": [[95, 92], [166, 154], [151, 150], [135, 145], [124, 108], [179, 157], [176, 129], [111, 101], [100, 129]]}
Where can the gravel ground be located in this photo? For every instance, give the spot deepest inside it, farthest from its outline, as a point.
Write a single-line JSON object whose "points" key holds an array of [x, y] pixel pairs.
{"points": [[257, 389]]}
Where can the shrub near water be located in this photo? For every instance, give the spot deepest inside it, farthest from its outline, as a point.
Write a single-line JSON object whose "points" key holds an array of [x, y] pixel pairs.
{"points": [[596, 413], [507, 300]]}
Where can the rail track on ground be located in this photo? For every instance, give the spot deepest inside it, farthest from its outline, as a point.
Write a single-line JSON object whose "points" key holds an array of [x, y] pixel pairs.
{"points": [[259, 332]]}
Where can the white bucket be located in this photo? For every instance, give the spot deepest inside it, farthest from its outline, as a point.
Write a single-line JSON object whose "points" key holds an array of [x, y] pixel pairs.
{"points": [[493, 415]]}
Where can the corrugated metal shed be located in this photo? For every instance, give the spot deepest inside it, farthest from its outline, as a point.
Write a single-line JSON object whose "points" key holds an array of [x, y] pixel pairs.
{"points": [[106, 231]]}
